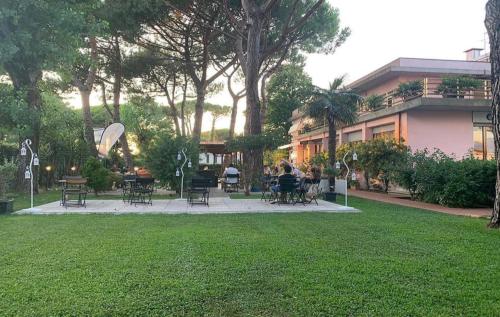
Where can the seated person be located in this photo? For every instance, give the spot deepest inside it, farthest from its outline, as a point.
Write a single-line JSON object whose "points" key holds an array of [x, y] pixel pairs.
{"points": [[287, 174], [230, 170], [267, 170]]}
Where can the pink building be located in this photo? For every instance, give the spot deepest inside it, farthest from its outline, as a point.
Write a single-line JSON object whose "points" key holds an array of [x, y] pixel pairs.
{"points": [[458, 123]]}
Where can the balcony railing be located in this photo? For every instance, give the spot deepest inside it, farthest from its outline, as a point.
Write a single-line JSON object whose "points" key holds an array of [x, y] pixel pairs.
{"points": [[430, 89]]}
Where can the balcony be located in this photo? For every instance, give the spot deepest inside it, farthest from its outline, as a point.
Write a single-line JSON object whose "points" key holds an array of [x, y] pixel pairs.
{"points": [[430, 89]]}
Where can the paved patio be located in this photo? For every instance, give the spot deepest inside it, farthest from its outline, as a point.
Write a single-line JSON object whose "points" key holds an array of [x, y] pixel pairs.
{"points": [[218, 205]]}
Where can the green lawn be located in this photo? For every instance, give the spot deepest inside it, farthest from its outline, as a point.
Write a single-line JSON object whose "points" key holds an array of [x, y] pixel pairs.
{"points": [[386, 261]]}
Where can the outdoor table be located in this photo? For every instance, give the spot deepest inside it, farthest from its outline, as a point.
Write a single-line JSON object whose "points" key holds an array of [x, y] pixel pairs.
{"points": [[73, 186]]}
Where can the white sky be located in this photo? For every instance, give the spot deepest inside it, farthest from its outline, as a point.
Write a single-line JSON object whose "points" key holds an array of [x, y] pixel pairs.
{"points": [[384, 30]]}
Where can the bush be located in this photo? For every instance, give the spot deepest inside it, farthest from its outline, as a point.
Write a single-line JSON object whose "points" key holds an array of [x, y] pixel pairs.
{"points": [[374, 102], [410, 89], [161, 160], [437, 178], [98, 177], [452, 87], [7, 174]]}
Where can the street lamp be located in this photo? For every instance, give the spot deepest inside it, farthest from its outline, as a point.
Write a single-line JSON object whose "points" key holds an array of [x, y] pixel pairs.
{"points": [[48, 168], [353, 175], [28, 173], [180, 170]]}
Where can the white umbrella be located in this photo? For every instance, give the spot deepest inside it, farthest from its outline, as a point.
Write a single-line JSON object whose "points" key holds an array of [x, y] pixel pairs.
{"points": [[109, 137]]}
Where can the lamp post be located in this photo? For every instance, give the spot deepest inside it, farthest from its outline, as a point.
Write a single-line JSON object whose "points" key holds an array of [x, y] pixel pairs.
{"points": [[28, 174], [180, 170], [353, 176], [48, 168]]}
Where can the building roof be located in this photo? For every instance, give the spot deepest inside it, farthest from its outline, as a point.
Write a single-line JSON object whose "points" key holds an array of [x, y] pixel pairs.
{"points": [[421, 66]]}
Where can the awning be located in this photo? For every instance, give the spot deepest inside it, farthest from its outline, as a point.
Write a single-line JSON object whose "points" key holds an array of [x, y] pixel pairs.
{"points": [[284, 147]]}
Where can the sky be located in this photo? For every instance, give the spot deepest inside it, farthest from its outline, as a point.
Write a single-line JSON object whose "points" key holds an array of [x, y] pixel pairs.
{"points": [[383, 30]]}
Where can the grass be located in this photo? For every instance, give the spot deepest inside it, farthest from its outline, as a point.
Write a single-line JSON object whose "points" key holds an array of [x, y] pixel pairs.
{"points": [[387, 261]]}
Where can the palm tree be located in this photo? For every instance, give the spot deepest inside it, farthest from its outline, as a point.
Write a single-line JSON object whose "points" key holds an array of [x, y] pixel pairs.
{"points": [[339, 106]]}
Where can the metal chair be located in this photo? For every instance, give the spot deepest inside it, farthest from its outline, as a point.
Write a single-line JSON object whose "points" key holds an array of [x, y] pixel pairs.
{"points": [[200, 186], [74, 186], [287, 190], [231, 183], [128, 186], [142, 192]]}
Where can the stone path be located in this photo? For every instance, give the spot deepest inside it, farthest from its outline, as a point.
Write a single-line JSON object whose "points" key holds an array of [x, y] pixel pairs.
{"points": [[219, 205], [388, 198]]}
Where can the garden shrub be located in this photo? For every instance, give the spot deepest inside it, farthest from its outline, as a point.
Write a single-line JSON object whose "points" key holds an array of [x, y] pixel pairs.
{"points": [[7, 173], [98, 177], [438, 178], [161, 160]]}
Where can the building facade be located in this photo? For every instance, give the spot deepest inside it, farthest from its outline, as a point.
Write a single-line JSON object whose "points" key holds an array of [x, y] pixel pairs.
{"points": [[455, 121]]}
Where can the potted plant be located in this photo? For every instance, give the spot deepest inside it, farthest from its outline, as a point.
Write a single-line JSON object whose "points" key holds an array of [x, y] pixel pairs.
{"points": [[409, 89], [330, 195], [7, 173], [374, 102], [453, 87]]}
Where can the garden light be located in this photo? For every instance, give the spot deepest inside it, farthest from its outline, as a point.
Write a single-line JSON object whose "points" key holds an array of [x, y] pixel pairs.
{"points": [[23, 150], [179, 157], [36, 161], [355, 156], [337, 165], [353, 176], [48, 168], [190, 164], [27, 174], [177, 173]]}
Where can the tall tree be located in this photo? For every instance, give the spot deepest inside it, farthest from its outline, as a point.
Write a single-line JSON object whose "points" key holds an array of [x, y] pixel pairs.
{"points": [[265, 32], [289, 89], [492, 22], [193, 34], [84, 75], [236, 96], [36, 36], [217, 112], [339, 106]]}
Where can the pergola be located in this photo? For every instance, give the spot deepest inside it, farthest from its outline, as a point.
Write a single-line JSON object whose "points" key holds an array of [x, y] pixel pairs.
{"points": [[218, 149]]}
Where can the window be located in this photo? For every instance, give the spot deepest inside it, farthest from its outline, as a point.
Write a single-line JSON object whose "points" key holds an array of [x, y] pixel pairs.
{"points": [[383, 132], [354, 137], [484, 146]]}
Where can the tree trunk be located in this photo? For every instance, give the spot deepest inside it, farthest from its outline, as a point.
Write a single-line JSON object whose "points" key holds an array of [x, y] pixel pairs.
{"points": [[263, 96], [117, 86], [253, 159], [34, 100], [183, 104], [332, 151], [234, 112], [198, 113], [212, 132], [87, 122], [492, 23]]}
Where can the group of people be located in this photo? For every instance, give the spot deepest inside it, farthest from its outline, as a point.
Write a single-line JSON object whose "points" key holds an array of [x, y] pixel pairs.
{"points": [[287, 168]]}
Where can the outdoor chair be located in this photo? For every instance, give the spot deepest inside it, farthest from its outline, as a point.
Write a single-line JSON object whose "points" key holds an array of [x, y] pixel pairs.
{"points": [[231, 183], [127, 187], [312, 192], [200, 188], [142, 191], [287, 190], [266, 182], [74, 191]]}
